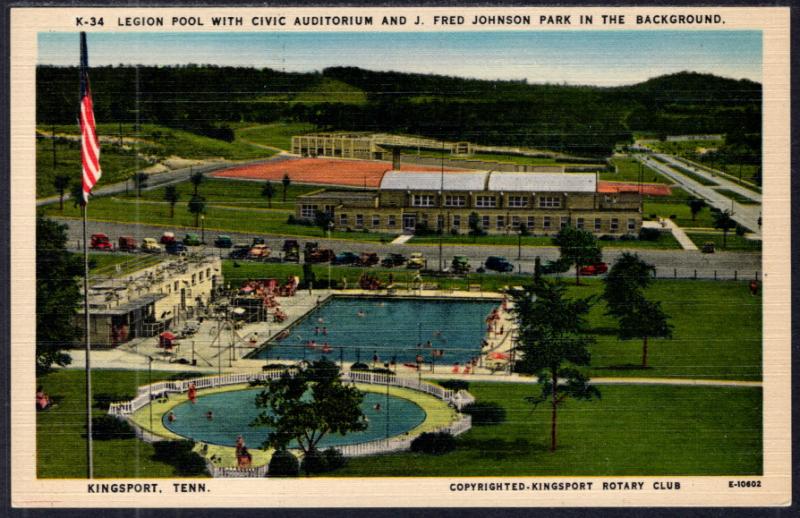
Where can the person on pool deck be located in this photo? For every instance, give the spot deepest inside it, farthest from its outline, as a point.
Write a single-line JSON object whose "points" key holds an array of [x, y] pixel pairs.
{"points": [[192, 393], [239, 445]]}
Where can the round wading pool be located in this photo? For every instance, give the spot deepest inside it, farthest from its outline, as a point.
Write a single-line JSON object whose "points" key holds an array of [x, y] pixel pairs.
{"points": [[234, 411]]}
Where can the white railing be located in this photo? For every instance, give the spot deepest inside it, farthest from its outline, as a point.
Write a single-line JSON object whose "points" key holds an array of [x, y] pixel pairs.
{"points": [[458, 400]]}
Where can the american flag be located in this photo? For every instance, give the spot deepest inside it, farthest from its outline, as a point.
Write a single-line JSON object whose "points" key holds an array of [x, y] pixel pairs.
{"points": [[90, 145]]}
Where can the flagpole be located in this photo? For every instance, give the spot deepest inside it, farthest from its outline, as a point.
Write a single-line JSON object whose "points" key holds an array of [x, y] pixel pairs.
{"points": [[89, 453]]}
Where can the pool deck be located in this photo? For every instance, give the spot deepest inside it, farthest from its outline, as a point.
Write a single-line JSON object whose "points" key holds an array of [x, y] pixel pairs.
{"points": [[216, 351]]}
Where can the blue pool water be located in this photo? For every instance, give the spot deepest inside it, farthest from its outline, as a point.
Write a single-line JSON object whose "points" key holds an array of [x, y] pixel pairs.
{"points": [[234, 411], [399, 329]]}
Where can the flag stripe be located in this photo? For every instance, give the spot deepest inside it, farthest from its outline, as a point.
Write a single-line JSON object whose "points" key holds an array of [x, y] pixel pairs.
{"points": [[90, 144]]}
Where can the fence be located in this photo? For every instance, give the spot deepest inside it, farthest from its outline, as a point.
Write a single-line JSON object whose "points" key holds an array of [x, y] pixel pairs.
{"points": [[458, 400]]}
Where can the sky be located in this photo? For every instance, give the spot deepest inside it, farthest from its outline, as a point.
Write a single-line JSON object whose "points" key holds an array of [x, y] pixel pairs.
{"points": [[603, 58]]}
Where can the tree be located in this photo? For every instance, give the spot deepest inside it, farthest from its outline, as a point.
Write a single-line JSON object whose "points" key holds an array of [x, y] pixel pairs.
{"points": [[197, 206], [286, 183], [61, 183], [724, 222], [196, 179], [625, 281], [323, 220], [268, 191], [578, 247], [57, 295], [552, 345], [76, 193], [474, 223], [644, 319], [305, 405], [696, 205], [171, 196], [140, 181]]}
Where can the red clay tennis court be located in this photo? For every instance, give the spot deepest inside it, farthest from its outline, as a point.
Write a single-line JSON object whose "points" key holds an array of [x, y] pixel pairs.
{"points": [[319, 170], [650, 189]]}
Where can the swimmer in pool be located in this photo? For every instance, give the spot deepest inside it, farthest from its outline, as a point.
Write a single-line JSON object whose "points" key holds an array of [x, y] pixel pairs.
{"points": [[360, 313]]}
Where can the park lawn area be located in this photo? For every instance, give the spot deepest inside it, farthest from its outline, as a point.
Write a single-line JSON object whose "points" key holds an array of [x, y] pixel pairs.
{"points": [[682, 212], [665, 241], [628, 171], [118, 164], [633, 430], [717, 333], [60, 431], [277, 135], [733, 242], [738, 198]]}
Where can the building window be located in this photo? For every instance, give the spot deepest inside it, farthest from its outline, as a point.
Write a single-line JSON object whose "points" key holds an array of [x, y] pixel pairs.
{"points": [[549, 202], [485, 221], [439, 222], [546, 222], [176, 286], [376, 221], [580, 224], [486, 201], [515, 221], [422, 200], [391, 221], [328, 209], [632, 225], [425, 219], [501, 222], [517, 201], [456, 221], [194, 279], [201, 276], [455, 201], [359, 220], [598, 224], [343, 220], [564, 222], [208, 273], [614, 224], [308, 211], [531, 221]]}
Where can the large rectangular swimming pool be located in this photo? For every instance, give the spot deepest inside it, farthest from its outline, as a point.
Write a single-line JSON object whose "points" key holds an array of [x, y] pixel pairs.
{"points": [[359, 328]]}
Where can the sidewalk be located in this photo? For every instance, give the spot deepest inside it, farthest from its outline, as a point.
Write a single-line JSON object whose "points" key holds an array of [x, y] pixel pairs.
{"points": [[677, 232]]}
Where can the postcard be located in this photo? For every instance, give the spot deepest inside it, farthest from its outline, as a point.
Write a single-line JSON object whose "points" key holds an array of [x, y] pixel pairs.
{"points": [[400, 257]]}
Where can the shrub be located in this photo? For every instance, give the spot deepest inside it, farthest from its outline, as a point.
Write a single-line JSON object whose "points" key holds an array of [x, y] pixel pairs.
{"points": [[437, 443], [107, 427], [274, 366], [334, 459], [283, 464], [291, 220], [191, 465], [628, 237], [316, 461], [740, 230], [607, 237], [453, 231], [382, 370], [455, 384], [673, 217], [649, 234], [485, 413], [183, 376], [652, 216], [359, 366], [171, 451], [104, 400]]}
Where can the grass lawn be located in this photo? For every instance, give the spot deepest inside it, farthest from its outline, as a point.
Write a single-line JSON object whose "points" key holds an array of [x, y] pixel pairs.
{"points": [[277, 135], [632, 430], [61, 445], [628, 171], [735, 196], [666, 241], [733, 242], [680, 210]]}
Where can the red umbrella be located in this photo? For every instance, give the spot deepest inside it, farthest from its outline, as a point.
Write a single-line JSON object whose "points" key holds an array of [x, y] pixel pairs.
{"points": [[167, 335], [499, 356]]}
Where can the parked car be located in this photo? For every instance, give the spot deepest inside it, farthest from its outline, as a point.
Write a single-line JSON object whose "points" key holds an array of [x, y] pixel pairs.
{"points": [[392, 260], [100, 241], [291, 250], [708, 247], [498, 264], [176, 248], [223, 241], [290, 244], [594, 269], [345, 258], [127, 244], [460, 264], [239, 252], [167, 238], [314, 254], [192, 240], [558, 266], [258, 241], [367, 259], [151, 246], [259, 252], [416, 260]]}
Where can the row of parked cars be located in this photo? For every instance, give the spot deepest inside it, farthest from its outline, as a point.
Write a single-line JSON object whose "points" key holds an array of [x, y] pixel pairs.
{"points": [[168, 242]]}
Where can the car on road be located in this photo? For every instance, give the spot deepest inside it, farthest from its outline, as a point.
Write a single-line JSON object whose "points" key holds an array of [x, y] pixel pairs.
{"points": [[708, 247], [192, 240], [126, 244], [151, 246], [460, 264], [557, 266], [498, 264], [258, 241], [314, 254], [223, 241], [259, 252], [291, 250], [392, 260], [367, 259], [416, 260], [594, 269], [167, 238], [345, 258], [100, 241], [176, 248], [239, 251]]}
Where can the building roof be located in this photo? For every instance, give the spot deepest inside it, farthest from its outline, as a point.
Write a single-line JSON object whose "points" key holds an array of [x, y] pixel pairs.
{"points": [[433, 181], [543, 182], [124, 309]]}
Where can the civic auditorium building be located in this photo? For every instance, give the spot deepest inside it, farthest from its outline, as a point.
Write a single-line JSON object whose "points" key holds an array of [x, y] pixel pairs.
{"points": [[543, 202]]}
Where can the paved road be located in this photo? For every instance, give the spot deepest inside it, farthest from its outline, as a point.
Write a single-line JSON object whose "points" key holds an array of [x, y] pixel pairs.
{"points": [[721, 179], [747, 215], [669, 263]]}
